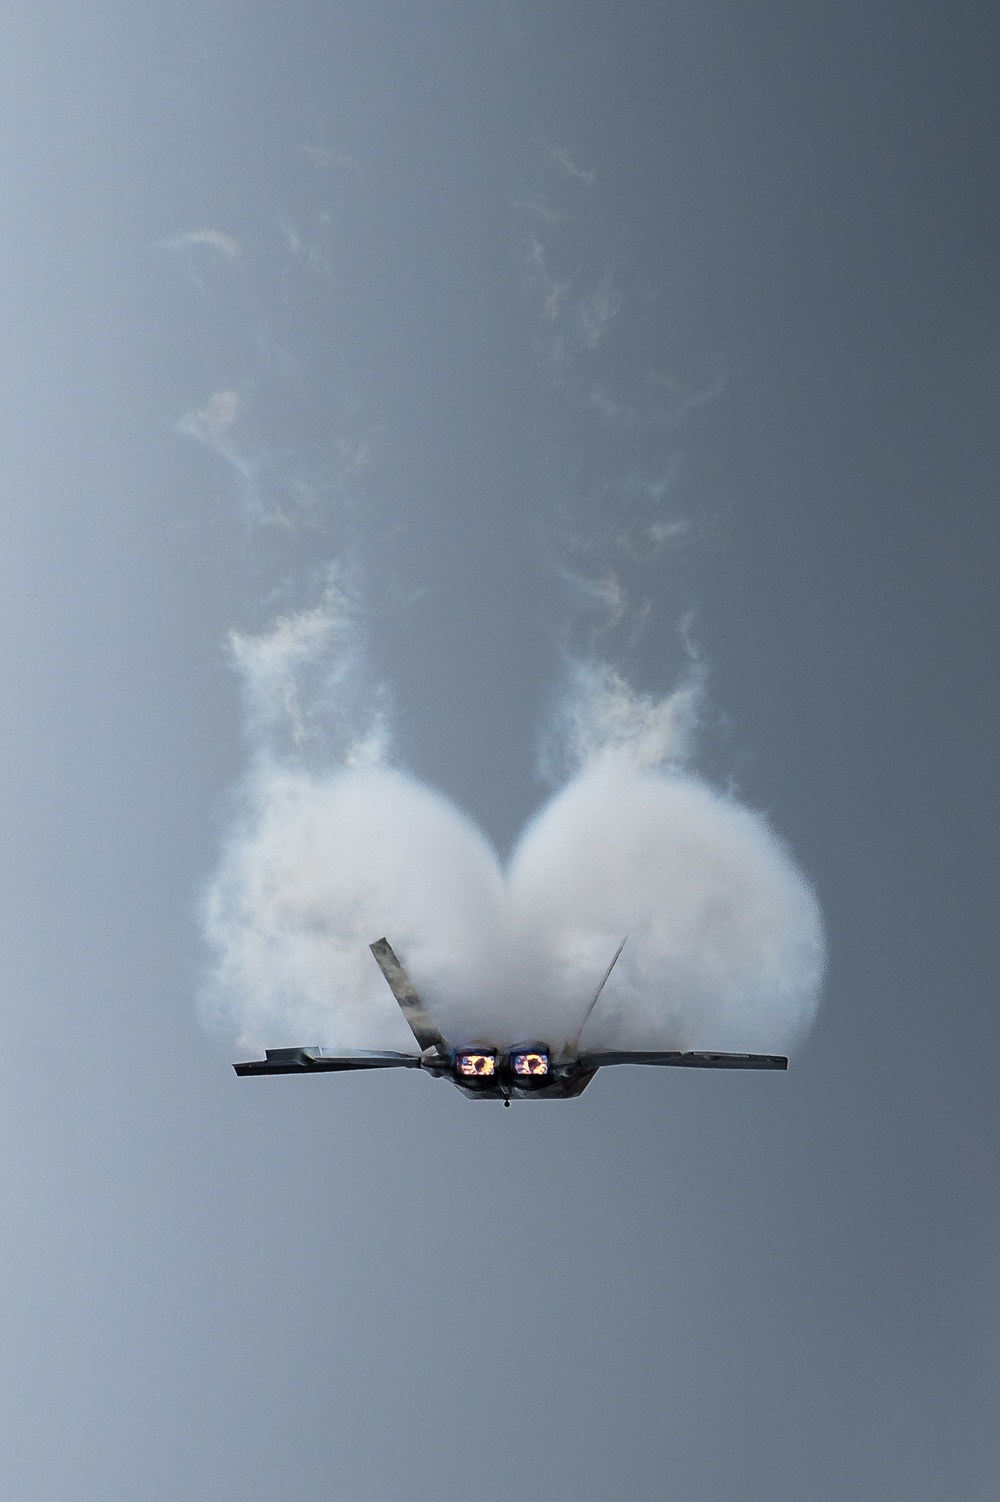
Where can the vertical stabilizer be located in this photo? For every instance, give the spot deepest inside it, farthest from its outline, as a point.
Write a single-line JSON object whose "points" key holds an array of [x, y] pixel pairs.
{"points": [[573, 1043], [405, 993]]}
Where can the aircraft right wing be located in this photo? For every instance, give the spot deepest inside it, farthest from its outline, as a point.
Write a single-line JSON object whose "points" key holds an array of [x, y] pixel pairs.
{"points": [[317, 1061], [687, 1060]]}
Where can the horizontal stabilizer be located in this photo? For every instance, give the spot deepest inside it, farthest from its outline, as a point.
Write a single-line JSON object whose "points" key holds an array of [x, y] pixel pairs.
{"points": [[688, 1060], [405, 993], [317, 1061]]}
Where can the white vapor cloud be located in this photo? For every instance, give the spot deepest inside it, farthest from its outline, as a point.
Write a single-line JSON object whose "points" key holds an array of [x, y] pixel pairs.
{"points": [[725, 945], [321, 866]]}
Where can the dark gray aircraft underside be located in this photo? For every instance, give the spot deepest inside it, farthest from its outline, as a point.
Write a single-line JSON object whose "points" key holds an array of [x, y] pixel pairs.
{"points": [[529, 1071]]}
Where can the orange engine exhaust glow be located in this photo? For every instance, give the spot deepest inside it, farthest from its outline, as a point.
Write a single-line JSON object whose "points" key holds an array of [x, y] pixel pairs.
{"points": [[476, 1065], [531, 1063]]}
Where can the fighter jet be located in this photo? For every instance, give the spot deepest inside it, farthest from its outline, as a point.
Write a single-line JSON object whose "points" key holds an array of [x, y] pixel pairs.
{"points": [[530, 1071]]}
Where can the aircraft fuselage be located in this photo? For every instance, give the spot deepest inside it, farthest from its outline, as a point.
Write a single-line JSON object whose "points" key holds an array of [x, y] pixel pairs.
{"points": [[529, 1071]]}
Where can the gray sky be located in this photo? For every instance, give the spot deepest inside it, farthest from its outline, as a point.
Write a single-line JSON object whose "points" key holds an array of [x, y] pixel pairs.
{"points": [[783, 223]]}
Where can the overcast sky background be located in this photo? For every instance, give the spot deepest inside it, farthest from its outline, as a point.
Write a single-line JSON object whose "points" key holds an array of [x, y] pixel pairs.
{"points": [[704, 1287]]}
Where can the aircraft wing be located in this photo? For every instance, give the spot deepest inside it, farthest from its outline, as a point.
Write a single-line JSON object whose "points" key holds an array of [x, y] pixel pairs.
{"points": [[318, 1061], [687, 1060]]}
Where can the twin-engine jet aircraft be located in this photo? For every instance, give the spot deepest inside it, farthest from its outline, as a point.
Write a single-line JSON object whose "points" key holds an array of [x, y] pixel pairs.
{"points": [[531, 1071]]}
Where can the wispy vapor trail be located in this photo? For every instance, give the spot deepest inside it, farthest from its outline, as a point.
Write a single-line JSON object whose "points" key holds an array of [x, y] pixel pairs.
{"points": [[306, 691], [602, 716], [215, 425], [224, 246], [559, 157]]}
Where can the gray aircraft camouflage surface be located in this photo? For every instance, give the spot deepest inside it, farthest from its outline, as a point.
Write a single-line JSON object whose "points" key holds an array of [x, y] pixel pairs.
{"points": [[530, 1071]]}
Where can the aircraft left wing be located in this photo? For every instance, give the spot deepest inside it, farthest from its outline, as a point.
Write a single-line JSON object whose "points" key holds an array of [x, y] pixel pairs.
{"points": [[687, 1060], [317, 1061]]}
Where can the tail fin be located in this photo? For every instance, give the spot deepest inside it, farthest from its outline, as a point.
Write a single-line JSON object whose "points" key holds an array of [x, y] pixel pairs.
{"points": [[573, 1043], [405, 993]]}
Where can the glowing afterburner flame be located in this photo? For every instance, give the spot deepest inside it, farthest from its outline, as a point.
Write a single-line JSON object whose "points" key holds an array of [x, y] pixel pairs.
{"points": [[531, 1063], [476, 1065]]}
